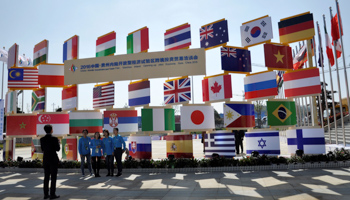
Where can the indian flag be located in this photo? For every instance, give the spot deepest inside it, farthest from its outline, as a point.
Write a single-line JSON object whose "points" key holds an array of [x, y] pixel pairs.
{"points": [[105, 44], [90, 120], [40, 52], [157, 119], [138, 41]]}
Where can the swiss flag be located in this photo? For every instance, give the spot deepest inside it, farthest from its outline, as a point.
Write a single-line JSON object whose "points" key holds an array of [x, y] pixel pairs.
{"points": [[23, 125], [217, 88], [197, 117]]}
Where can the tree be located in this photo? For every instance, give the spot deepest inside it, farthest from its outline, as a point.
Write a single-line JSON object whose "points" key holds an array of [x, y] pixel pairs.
{"points": [[258, 108], [218, 120]]}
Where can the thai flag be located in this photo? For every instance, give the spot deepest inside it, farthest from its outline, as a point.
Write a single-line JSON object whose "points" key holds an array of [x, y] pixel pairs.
{"points": [[70, 48], [260, 86], [310, 140], [220, 142], [178, 37], [264, 142]]}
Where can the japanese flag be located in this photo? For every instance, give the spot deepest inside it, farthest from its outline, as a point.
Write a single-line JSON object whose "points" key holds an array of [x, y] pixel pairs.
{"points": [[197, 117]]}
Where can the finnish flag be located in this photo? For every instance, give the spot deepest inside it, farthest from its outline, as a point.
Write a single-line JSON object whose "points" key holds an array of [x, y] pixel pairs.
{"points": [[264, 142], [310, 140]]}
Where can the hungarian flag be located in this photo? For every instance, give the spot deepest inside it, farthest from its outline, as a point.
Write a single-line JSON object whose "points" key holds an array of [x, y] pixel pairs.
{"points": [[80, 120], [239, 115], [40, 52], [329, 50], [38, 99], [278, 56], [217, 88], [69, 148], [179, 145], [158, 119], [21, 125], [59, 122], [138, 41], [69, 97], [70, 48], [51, 75], [281, 113], [197, 117], [105, 44], [140, 147]]}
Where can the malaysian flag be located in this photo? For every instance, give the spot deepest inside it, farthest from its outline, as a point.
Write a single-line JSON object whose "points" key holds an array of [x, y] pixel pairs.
{"points": [[214, 34], [103, 95], [23, 78], [177, 91], [220, 142]]}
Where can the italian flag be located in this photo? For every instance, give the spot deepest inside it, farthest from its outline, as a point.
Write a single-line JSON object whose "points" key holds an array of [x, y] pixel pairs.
{"points": [[137, 41], [329, 48], [40, 52], [105, 45], [157, 119], [90, 120]]}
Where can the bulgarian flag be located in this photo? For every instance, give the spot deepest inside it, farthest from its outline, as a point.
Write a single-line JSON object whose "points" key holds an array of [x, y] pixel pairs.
{"points": [[40, 52], [80, 120], [138, 41], [105, 44], [329, 48]]}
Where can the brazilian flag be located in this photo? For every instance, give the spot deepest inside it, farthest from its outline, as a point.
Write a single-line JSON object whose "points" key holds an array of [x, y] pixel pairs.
{"points": [[281, 113]]}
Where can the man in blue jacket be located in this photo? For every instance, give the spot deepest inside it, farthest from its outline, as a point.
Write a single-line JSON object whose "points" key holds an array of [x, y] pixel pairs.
{"points": [[84, 151], [119, 148], [108, 152]]}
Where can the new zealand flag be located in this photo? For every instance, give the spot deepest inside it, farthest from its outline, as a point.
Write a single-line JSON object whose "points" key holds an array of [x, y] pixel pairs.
{"points": [[236, 60], [213, 34]]}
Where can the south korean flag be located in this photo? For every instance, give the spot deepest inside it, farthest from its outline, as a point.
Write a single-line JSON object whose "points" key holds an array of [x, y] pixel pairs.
{"points": [[256, 31]]}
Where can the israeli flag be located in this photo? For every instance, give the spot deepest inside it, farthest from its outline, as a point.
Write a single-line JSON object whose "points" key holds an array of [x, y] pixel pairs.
{"points": [[264, 142], [310, 140]]}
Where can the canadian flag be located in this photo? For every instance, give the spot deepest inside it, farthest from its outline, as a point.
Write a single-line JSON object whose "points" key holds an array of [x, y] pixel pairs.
{"points": [[197, 117], [217, 88]]}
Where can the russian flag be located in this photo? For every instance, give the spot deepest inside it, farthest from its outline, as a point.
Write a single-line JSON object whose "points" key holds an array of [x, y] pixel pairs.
{"points": [[70, 48], [239, 115], [260, 85]]}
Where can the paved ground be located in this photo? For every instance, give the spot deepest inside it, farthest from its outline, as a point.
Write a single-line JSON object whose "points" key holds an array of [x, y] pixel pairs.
{"points": [[290, 184]]}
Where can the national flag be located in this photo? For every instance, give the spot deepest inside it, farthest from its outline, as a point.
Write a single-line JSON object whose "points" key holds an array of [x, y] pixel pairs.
{"points": [[138, 41], [69, 148], [235, 59], [216, 88], [103, 95], [23, 78], [296, 28], [177, 90], [69, 97], [279, 79], [278, 56], [3, 55], [21, 125], [125, 120], [38, 99], [12, 56], [80, 120], [310, 140], [303, 82], [139, 93], [140, 147], [70, 48], [256, 31], [41, 53], [338, 48], [335, 28], [158, 119], [260, 86], [264, 142], [214, 34], [220, 142], [58, 121], [197, 117], [105, 44], [37, 152], [11, 102], [51, 75], [178, 37], [281, 113], [239, 115], [300, 58], [179, 145], [24, 61]]}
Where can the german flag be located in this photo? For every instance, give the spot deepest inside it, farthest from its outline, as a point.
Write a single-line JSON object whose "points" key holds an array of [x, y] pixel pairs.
{"points": [[179, 145], [296, 28]]}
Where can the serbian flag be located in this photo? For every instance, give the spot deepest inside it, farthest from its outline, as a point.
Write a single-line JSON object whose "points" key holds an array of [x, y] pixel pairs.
{"points": [[238, 115], [70, 48]]}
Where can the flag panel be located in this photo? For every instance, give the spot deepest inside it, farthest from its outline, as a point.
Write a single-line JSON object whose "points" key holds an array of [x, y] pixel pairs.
{"points": [[213, 34], [138, 41], [304, 82], [177, 91], [25, 78], [278, 56], [239, 115], [158, 119], [140, 147], [264, 142], [70, 48], [220, 142], [40, 54], [197, 117], [139, 93], [179, 145], [235, 59], [259, 86], [310, 140], [217, 88], [23, 125], [92, 121], [103, 96], [124, 120], [105, 45], [256, 31], [38, 99], [178, 37], [281, 113], [12, 56], [59, 122], [69, 97]]}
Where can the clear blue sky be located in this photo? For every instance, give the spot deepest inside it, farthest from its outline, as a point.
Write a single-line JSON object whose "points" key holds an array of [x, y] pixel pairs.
{"points": [[29, 22]]}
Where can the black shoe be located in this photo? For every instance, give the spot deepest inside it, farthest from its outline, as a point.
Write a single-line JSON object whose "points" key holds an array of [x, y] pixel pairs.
{"points": [[54, 196], [98, 175], [108, 175], [46, 196], [119, 174]]}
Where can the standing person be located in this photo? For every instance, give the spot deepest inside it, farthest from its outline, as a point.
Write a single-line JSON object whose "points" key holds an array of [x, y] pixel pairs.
{"points": [[108, 152], [49, 145], [119, 148], [96, 147], [242, 134], [238, 141], [84, 151]]}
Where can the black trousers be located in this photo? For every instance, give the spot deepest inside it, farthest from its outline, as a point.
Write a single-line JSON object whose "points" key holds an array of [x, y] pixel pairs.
{"points": [[96, 163], [110, 164], [50, 170], [239, 143], [118, 158]]}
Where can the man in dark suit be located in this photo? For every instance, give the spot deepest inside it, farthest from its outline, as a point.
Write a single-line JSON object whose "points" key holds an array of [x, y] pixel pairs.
{"points": [[49, 145]]}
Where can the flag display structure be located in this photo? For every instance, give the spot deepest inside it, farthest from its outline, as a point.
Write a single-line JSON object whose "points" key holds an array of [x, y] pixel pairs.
{"points": [[239, 115], [158, 119], [179, 145], [124, 120], [12, 56], [9, 148], [140, 147], [11, 102], [278, 56], [256, 31], [300, 58], [105, 44], [25, 78], [303, 82], [37, 152], [281, 113], [235, 59], [310, 140], [217, 88], [220, 142], [58, 121], [80, 120], [214, 34], [177, 90], [197, 117], [138, 41], [264, 142], [3, 55], [70, 48], [178, 37], [40, 54], [21, 125], [296, 28], [69, 97], [69, 148], [38, 99], [260, 85], [139, 93], [51, 75], [103, 95]]}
